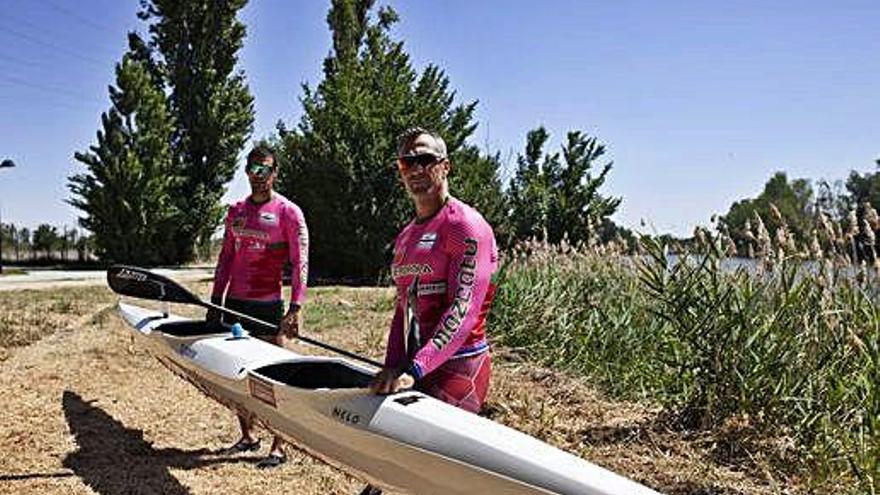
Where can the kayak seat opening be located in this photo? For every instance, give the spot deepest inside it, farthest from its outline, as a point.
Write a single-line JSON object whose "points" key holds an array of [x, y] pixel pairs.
{"points": [[315, 375], [191, 328]]}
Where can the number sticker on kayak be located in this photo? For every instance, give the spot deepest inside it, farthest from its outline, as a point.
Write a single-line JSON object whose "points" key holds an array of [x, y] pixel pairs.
{"points": [[408, 399], [262, 391]]}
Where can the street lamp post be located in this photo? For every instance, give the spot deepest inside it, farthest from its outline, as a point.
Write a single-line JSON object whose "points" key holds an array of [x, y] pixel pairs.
{"points": [[4, 164]]}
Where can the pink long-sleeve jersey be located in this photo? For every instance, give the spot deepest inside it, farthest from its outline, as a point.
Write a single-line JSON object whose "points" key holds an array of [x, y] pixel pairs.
{"points": [[257, 241], [442, 269]]}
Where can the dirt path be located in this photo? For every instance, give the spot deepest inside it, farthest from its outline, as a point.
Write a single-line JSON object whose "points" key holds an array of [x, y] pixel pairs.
{"points": [[85, 412]]}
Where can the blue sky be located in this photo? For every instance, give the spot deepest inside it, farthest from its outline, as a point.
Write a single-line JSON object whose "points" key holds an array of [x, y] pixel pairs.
{"points": [[699, 102]]}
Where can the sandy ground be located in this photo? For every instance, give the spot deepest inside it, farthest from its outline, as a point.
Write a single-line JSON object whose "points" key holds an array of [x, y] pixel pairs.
{"points": [[87, 412]]}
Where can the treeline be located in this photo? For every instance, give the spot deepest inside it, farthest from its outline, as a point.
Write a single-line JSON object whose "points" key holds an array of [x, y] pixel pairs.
{"points": [[45, 243], [181, 114], [806, 213]]}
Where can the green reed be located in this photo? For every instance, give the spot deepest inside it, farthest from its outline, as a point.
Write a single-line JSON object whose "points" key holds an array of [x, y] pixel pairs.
{"points": [[787, 348]]}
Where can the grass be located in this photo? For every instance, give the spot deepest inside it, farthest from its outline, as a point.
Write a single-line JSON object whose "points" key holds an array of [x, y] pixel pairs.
{"points": [[776, 367], [781, 363], [29, 315]]}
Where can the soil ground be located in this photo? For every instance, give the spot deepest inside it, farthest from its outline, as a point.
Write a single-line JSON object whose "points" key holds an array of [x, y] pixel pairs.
{"points": [[88, 412]]}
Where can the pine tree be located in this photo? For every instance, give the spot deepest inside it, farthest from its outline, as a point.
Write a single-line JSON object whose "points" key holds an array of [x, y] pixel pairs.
{"points": [[197, 43], [126, 193], [339, 162], [556, 196]]}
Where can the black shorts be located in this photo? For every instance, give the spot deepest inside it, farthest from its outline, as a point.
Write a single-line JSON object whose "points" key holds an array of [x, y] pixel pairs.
{"points": [[268, 311]]}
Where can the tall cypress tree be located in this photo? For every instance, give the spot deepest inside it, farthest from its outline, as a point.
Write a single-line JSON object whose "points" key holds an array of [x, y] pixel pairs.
{"points": [[339, 162], [198, 42], [126, 192]]}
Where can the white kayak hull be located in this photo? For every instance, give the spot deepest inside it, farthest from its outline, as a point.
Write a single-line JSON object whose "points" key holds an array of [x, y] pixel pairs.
{"points": [[406, 441]]}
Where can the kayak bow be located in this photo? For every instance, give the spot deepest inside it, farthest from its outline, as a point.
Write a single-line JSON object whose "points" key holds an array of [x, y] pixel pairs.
{"points": [[406, 441]]}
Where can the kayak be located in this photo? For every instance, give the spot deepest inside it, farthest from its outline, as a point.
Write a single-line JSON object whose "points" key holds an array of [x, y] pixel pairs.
{"points": [[405, 441]]}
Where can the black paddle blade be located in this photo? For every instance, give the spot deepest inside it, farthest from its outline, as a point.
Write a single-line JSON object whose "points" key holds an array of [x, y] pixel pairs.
{"points": [[142, 283]]}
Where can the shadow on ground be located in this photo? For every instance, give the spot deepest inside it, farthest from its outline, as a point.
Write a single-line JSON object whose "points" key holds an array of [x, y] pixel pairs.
{"points": [[115, 460]]}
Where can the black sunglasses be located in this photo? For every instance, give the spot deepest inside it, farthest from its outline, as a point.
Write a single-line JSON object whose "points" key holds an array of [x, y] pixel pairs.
{"points": [[423, 160]]}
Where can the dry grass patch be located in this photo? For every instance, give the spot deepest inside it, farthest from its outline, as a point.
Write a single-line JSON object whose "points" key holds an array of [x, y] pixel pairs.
{"points": [[88, 413], [29, 315]]}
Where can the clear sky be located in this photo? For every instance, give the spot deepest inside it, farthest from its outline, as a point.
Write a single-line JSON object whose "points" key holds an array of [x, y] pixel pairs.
{"points": [[699, 102]]}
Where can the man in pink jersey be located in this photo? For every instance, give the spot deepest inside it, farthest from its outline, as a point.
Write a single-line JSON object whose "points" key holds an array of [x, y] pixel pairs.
{"points": [[263, 231], [443, 265]]}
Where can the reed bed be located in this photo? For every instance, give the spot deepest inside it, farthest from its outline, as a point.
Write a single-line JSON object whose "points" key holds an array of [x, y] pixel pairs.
{"points": [[777, 358]]}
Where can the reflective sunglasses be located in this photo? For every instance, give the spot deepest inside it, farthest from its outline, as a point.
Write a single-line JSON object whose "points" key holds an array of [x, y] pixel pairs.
{"points": [[423, 160], [259, 169]]}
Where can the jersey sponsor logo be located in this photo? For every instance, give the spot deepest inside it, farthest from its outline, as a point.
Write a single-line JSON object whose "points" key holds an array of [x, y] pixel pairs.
{"points": [[261, 390], [463, 295], [250, 233], [427, 241], [268, 217], [413, 269], [432, 288]]}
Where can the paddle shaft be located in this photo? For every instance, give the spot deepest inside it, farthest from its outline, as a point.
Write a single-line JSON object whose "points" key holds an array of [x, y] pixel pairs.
{"points": [[139, 282], [266, 324]]}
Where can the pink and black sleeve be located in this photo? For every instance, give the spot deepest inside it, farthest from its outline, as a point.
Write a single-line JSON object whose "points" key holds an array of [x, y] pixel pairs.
{"points": [[224, 262], [470, 247], [298, 243]]}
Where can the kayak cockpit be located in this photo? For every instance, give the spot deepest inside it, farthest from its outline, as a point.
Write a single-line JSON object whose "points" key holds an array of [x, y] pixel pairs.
{"points": [[314, 375]]}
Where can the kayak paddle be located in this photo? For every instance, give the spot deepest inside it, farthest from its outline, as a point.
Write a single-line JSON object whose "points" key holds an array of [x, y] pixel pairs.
{"points": [[138, 282]]}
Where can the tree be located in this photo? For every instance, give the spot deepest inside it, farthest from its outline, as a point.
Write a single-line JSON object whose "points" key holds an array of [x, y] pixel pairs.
{"points": [[793, 201], [338, 163], [23, 241], [864, 188], [198, 42], [556, 196], [126, 193], [864, 198], [7, 238], [833, 200], [46, 239], [180, 116], [84, 245]]}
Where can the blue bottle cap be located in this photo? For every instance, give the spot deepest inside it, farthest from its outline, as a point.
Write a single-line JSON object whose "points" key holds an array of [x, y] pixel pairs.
{"points": [[237, 331]]}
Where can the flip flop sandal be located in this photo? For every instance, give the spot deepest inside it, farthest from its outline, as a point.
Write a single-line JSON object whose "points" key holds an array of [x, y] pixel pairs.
{"points": [[371, 490], [243, 446], [271, 461]]}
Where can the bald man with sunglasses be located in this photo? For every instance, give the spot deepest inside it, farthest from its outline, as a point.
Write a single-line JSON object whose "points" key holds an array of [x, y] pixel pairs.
{"points": [[263, 232]]}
